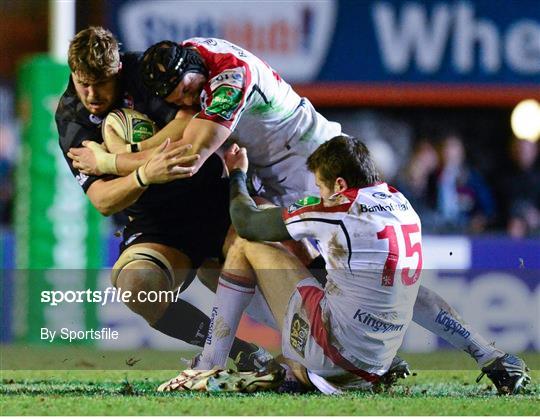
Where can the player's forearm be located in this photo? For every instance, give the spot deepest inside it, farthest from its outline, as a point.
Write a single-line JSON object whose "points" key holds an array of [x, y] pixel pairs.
{"points": [[249, 221], [128, 162], [173, 130], [205, 137], [112, 196]]}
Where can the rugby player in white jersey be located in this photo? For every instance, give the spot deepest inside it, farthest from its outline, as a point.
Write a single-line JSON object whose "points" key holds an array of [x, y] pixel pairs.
{"points": [[346, 334], [242, 99]]}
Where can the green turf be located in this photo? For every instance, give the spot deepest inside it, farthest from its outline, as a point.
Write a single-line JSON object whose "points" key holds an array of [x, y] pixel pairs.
{"points": [[132, 392]]}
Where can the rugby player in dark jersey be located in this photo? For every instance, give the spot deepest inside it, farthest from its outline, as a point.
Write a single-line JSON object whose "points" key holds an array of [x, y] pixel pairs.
{"points": [[174, 224]]}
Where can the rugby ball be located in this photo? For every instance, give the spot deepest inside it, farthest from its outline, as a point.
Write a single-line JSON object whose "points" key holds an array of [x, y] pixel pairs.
{"points": [[132, 126]]}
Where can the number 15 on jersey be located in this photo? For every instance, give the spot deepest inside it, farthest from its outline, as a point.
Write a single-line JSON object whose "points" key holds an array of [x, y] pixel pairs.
{"points": [[394, 253]]}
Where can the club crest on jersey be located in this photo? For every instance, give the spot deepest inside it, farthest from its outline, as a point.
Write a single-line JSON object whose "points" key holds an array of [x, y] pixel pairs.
{"points": [[299, 334], [225, 101], [233, 77], [304, 202]]}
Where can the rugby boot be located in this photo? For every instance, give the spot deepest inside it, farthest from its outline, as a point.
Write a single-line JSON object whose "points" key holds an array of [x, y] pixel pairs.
{"points": [[508, 373], [398, 369], [218, 380], [257, 360]]}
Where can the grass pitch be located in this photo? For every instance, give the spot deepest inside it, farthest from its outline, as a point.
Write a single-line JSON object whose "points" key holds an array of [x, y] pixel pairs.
{"points": [[87, 389]]}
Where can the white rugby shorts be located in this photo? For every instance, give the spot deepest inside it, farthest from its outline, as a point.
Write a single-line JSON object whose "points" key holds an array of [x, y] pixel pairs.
{"points": [[305, 340]]}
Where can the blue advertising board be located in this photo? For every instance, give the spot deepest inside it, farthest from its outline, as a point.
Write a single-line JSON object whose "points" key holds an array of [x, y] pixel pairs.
{"points": [[458, 50], [481, 41]]}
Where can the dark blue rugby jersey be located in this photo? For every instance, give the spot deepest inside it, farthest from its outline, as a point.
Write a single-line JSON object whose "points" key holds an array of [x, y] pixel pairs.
{"points": [[193, 199]]}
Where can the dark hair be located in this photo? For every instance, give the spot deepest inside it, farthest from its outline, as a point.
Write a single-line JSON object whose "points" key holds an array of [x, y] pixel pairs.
{"points": [[94, 53], [345, 157]]}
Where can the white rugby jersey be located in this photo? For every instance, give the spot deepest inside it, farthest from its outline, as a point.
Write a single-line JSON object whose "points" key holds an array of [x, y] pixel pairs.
{"points": [[371, 242], [265, 114]]}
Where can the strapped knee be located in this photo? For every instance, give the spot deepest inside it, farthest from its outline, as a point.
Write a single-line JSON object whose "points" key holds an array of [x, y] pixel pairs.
{"points": [[141, 253]]}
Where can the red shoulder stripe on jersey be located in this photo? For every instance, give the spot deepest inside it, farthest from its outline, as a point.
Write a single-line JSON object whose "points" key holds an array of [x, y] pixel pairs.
{"points": [[217, 63], [311, 297], [350, 194], [317, 208]]}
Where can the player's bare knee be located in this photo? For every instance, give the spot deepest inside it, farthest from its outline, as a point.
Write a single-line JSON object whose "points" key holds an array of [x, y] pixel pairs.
{"points": [[148, 277], [238, 244], [229, 241], [141, 277], [148, 287]]}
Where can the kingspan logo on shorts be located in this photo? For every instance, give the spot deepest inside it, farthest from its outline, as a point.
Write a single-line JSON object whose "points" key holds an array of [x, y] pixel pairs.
{"points": [[449, 323], [376, 325]]}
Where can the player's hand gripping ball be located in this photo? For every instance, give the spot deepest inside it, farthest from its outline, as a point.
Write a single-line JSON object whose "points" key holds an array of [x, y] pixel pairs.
{"points": [[124, 127]]}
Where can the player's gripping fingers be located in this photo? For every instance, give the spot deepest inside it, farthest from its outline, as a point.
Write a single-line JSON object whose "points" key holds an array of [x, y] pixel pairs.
{"points": [[183, 161], [182, 170], [182, 176], [233, 149], [238, 160], [242, 152], [160, 149]]}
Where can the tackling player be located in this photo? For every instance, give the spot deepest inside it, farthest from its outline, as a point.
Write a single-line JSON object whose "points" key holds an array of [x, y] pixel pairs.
{"points": [[166, 239], [242, 98], [370, 236]]}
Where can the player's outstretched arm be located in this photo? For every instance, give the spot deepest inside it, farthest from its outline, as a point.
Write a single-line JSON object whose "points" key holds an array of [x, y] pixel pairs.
{"points": [[93, 159], [174, 130], [251, 222], [205, 137]]}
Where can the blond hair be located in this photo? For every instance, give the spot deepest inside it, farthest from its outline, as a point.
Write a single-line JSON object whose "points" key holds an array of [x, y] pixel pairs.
{"points": [[94, 53]]}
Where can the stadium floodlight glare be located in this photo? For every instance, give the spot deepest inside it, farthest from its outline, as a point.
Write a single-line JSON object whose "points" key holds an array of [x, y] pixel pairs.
{"points": [[525, 120]]}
